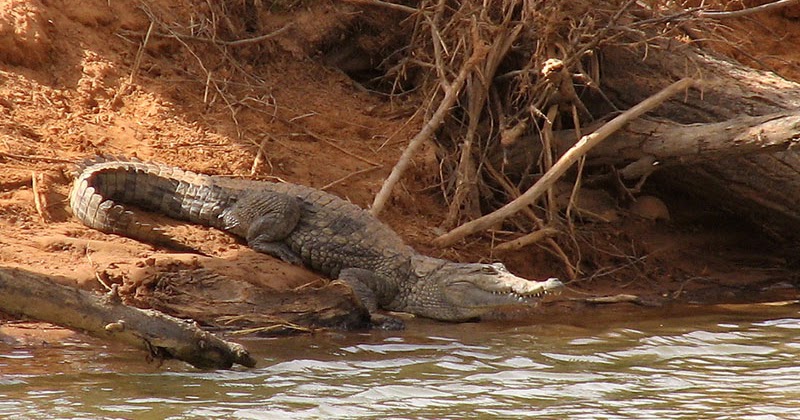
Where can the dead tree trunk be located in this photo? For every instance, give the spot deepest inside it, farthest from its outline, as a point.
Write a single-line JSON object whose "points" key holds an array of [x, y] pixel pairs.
{"points": [[730, 143], [35, 296], [750, 178], [670, 143]]}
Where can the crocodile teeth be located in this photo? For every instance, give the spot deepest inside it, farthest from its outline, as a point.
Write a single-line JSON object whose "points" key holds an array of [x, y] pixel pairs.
{"points": [[522, 297]]}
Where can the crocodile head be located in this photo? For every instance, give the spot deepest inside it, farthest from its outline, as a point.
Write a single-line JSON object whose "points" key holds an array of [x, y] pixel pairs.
{"points": [[456, 291]]}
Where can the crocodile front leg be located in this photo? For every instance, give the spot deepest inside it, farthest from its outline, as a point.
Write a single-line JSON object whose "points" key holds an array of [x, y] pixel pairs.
{"points": [[371, 288], [265, 219]]}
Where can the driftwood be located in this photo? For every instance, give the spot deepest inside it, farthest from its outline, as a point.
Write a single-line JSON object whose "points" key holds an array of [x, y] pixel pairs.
{"points": [[36, 296], [226, 301]]}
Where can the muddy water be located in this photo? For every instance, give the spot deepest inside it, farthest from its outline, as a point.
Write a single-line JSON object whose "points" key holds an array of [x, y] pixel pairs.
{"points": [[734, 362]]}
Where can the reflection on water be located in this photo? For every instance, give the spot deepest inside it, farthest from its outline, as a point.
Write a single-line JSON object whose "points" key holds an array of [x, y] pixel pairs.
{"points": [[725, 365]]}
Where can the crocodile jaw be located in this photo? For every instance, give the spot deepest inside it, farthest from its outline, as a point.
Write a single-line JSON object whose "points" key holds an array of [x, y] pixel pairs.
{"points": [[503, 289], [509, 283], [468, 291]]}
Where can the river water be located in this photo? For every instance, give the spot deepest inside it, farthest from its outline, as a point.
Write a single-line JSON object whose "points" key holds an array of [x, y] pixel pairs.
{"points": [[730, 362]]}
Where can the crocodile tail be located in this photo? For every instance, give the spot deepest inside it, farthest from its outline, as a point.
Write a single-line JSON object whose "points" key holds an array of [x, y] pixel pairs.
{"points": [[105, 185]]}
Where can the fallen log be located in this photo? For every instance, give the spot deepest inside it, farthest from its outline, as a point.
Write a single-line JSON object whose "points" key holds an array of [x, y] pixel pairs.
{"points": [[646, 142], [731, 144], [671, 143], [763, 188], [36, 296]]}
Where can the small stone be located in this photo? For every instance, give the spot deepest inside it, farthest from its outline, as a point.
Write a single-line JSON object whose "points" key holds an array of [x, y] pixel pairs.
{"points": [[650, 208], [115, 327]]}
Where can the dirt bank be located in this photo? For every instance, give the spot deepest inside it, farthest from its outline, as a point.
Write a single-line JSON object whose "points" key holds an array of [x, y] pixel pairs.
{"points": [[75, 82]]}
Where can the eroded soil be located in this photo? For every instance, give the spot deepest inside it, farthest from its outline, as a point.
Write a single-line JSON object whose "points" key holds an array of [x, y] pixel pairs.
{"points": [[74, 83]]}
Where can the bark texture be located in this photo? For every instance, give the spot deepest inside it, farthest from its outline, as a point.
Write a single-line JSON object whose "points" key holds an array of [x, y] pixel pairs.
{"points": [[672, 143], [730, 143], [763, 187], [36, 296]]}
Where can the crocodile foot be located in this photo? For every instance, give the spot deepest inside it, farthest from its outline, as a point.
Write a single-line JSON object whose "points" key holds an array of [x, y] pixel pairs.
{"points": [[386, 323]]}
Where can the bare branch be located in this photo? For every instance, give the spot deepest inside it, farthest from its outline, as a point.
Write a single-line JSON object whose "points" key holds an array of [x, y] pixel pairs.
{"points": [[387, 5], [669, 142], [184, 37], [528, 239], [444, 107], [748, 11]]}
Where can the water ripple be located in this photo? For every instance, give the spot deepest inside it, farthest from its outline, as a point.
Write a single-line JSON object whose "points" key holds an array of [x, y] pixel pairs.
{"points": [[725, 367]]}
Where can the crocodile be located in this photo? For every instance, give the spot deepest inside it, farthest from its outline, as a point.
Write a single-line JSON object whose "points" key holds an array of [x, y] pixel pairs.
{"points": [[300, 225]]}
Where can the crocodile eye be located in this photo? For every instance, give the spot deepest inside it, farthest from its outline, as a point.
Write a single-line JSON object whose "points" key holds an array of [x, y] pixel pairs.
{"points": [[488, 269]]}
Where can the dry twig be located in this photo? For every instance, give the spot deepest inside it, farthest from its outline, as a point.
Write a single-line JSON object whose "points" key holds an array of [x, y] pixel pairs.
{"points": [[137, 62], [387, 5], [35, 158], [528, 239], [350, 175], [220, 42], [39, 198], [713, 14], [260, 156]]}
